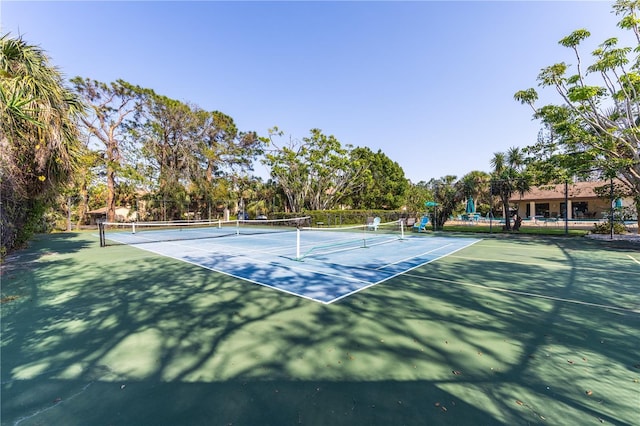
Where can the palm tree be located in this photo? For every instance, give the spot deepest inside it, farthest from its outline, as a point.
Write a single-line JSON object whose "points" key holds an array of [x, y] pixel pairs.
{"points": [[447, 196], [509, 176], [475, 185], [38, 136]]}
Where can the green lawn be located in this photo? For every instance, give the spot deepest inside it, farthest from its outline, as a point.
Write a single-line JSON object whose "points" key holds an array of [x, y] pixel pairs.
{"points": [[525, 230]]}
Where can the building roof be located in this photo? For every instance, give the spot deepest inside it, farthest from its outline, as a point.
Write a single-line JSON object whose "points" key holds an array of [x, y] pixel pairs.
{"points": [[556, 192]]}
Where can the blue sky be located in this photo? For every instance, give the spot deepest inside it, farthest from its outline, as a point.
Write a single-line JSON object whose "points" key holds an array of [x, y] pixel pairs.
{"points": [[429, 83]]}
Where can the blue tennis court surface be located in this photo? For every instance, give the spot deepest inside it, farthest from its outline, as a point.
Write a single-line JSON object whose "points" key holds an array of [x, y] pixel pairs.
{"points": [[324, 268]]}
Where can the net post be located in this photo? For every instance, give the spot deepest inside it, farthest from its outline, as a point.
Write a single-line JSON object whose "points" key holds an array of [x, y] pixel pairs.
{"points": [[401, 229], [237, 227], [297, 243], [133, 227], [101, 233], [364, 236]]}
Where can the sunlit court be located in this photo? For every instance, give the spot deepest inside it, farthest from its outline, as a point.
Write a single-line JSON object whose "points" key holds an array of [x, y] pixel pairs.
{"points": [[320, 264], [250, 329]]}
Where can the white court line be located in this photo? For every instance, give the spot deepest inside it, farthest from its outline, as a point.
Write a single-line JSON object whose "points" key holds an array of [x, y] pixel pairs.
{"points": [[553, 264], [255, 260], [634, 259], [413, 257], [405, 272], [55, 404], [524, 293], [214, 244], [312, 259], [242, 252], [311, 253], [224, 241], [229, 274]]}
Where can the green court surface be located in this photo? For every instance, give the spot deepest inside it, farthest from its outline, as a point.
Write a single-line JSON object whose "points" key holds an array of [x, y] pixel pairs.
{"points": [[509, 331]]}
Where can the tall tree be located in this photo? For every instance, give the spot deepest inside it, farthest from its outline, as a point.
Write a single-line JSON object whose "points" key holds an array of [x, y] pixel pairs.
{"points": [[316, 172], [508, 177], [383, 184], [169, 134], [225, 149], [476, 185], [112, 106], [333, 175], [416, 196], [446, 196], [290, 169], [89, 161], [194, 155], [225, 154], [597, 124], [38, 138]]}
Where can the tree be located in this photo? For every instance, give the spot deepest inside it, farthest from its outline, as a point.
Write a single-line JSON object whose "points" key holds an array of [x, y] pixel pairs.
{"points": [[446, 196], [224, 153], [509, 176], [169, 134], [112, 106], [89, 161], [192, 152], [316, 172], [597, 126], [476, 185], [415, 197], [383, 184], [290, 169], [38, 138], [224, 149]]}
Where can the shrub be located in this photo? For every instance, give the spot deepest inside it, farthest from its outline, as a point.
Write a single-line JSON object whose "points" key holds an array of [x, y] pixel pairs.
{"points": [[605, 228]]}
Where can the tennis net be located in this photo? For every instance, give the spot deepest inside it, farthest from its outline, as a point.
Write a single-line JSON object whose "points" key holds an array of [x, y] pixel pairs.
{"points": [[313, 242], [148, 232]]}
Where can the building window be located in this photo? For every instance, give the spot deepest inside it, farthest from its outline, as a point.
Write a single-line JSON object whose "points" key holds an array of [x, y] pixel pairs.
{"points": [[542, 209], [580, 209]]}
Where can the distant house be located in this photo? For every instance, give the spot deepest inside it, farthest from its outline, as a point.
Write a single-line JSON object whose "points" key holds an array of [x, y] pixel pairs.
{"points": [[123, 214], [549, 201]]}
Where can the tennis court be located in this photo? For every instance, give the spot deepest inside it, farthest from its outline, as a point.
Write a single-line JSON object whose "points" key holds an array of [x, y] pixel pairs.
{"points": [[509, 330], [324, 265]]}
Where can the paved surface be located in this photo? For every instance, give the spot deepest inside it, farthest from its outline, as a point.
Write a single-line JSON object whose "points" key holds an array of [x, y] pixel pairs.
{"points": [[330, 269]]}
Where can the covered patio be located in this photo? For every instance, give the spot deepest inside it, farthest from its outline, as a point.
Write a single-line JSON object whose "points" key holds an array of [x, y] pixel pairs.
{"points": [[581, 202]]}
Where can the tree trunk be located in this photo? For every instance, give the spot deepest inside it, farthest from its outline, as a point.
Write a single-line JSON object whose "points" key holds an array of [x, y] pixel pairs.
{"points": [[636, 200], [111, 194], [82, 206], [507, 216]]}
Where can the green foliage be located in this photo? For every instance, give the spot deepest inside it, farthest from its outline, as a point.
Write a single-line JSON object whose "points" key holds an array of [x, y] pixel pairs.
{"points": [[447, 196], [335, 218], [475, 184], [113, 109], [383, 184], [185, 159], [552, 75], [315, 173], [575, 38], [605, 228], [416, 196], [38, 135], [33, 222], [509, 176], [527, 96], [597, 126], [585, 93]]}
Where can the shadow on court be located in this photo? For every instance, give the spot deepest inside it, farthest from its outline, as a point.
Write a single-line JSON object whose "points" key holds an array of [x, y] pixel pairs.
{"points": [[122, 336]]}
